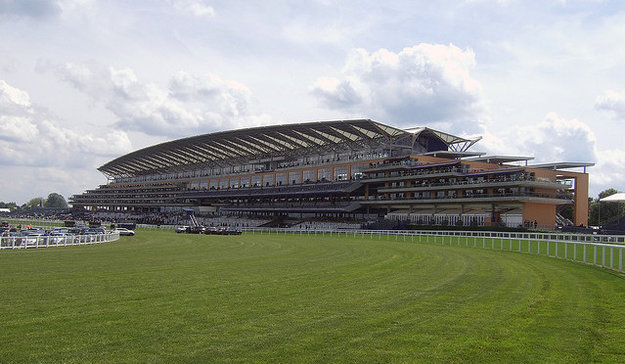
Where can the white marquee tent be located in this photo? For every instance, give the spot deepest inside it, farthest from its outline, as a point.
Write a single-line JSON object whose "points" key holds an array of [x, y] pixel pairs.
{"points": [[615, 197]]}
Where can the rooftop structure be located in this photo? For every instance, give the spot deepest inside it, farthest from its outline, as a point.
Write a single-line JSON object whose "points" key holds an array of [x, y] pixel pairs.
{"points": [[279, 143]]}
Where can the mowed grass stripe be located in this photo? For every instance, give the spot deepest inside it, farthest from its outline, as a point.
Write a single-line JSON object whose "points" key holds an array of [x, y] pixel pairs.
{"points": [[162, 296]]}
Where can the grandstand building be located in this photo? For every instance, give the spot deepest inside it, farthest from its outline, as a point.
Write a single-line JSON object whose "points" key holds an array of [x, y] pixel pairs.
{"points": [[347, 169]]}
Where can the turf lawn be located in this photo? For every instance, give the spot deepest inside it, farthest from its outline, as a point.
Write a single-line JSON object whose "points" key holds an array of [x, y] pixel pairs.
{"points": [[166, 297]]}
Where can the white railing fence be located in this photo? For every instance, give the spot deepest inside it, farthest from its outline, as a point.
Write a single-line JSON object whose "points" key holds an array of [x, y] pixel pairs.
{"points": [[601, 250], [42, 241]]}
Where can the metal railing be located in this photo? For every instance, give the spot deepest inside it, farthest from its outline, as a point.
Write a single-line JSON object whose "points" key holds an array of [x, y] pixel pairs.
{"points": [[600, 250], [44, 241]]}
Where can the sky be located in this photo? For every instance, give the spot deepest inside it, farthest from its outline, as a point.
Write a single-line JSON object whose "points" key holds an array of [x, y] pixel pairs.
{"points": [[84, 81]]}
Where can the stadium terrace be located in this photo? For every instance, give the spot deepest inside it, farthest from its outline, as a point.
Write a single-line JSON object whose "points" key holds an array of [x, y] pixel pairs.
{"points": [[355, 170]]}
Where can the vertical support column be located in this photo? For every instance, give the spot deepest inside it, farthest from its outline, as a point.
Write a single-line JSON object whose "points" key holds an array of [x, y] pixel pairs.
{"points": [[580, 209]]}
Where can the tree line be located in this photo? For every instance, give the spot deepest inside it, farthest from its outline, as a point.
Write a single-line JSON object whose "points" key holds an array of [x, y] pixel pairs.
{"points": [[54, 200]]}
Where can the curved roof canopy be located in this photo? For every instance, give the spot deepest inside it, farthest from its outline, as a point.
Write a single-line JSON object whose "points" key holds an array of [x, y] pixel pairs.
{"points": [[240, 146]]}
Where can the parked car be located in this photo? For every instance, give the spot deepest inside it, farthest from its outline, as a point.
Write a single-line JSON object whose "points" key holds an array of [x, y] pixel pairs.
{"points": [[211, 230], [182, 229], [78, 230], [232, 231], [95, 230], [197, 230], [124, 232], [57, 237]]}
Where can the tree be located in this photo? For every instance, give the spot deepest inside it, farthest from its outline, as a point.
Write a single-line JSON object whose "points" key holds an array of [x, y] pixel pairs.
{"points": [[601, 213], [608, 192], [9, 205], [33, 203], [56, 201]]}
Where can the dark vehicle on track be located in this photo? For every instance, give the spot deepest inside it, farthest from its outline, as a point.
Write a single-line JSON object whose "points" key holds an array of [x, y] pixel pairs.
{"points": [[127, 225], [196, 230], [211, 230], [232, 231], [222, 230]]}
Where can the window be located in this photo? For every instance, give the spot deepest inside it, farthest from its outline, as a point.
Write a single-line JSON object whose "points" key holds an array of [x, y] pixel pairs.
{"points": [[309, 175], [280, 179], [323, 174], [245, 181], [340, 173], [357, 171], [294, 178], [256, 181]]}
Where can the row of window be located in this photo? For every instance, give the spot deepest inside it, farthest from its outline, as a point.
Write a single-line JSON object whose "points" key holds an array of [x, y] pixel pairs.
{"points": [[340, 173]]}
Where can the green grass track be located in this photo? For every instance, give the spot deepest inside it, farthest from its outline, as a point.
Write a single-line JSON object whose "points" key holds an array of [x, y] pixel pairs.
{"points": [[166, 297]]}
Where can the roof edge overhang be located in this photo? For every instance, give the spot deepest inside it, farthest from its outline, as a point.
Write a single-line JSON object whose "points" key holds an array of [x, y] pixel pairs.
{"points": [[246, 143]]}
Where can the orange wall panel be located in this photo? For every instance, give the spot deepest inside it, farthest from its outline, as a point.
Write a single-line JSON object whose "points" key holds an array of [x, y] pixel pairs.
{"points": [[543, 214], [580, 213]]}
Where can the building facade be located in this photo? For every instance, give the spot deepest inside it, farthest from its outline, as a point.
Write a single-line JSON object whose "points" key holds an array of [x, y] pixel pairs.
{"points": [[344, 169]]}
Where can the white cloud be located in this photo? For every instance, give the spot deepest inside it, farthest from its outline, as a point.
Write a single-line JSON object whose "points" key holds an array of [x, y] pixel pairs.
{"points": [[612, 101], [190, 104], [13, 96], [553, 140], [609, 172], [31, 137], [197, 8], [556, 140], [41, 181], [301, 32], [420, 85], [336, 94]]}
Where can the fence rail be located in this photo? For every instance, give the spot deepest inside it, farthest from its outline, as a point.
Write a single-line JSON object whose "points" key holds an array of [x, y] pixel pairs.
{"points": [[27, 242], [601, 250]]}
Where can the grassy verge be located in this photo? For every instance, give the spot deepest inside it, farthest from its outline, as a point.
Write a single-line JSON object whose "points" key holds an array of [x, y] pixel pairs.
{"points": [[162, 296]]}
